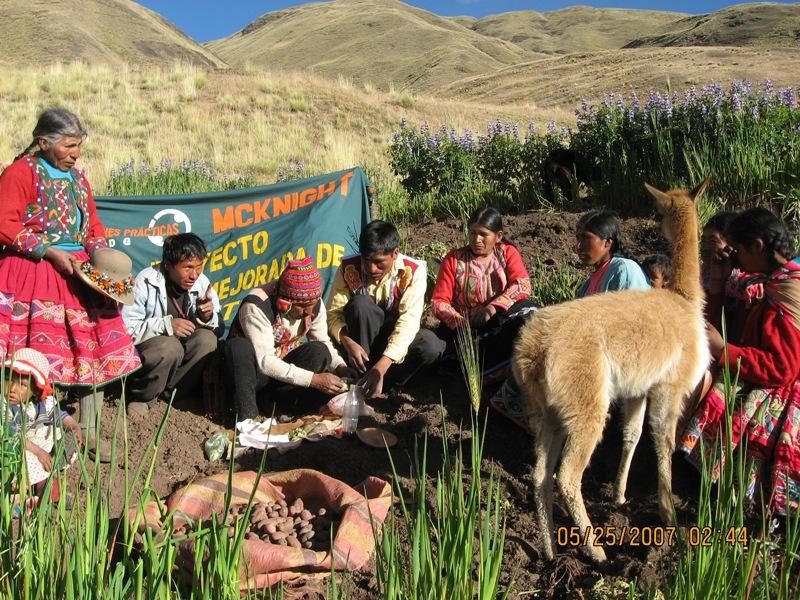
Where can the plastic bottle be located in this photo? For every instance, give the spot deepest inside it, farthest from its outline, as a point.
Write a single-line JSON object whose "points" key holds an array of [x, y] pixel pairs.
{"points": [[352, 409]]}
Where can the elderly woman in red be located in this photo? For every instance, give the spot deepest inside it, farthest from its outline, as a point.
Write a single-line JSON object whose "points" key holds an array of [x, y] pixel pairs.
{"points": [[485, 283], [48, 221]]}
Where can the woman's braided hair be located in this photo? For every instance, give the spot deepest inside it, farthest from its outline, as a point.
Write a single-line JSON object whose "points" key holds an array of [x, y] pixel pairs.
{"points": [[52, 125], [762, 224]]}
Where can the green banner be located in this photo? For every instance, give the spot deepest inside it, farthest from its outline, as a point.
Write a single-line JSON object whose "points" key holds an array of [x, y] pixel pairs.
{"points": [[250, 233]]}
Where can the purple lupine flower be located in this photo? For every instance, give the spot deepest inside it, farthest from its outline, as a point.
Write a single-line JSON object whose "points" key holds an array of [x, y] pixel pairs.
{"points": [[403, 123], [689, 97], [736, 99], [756, 112], [423, 129], [768, 87], [495, 128], [787, 97], [716, 93], [532, 129], [452, 136], [467, 142], [551, 127]]}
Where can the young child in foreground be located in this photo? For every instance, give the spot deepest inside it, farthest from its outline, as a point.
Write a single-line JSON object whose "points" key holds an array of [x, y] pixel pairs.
{"points": [[28, 406]]}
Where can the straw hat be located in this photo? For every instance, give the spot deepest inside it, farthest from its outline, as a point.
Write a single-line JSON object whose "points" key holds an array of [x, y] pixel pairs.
{"points": [[109, 272]]}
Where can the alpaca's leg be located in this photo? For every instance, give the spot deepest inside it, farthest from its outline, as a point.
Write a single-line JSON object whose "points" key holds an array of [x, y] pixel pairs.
{"points": [[665, 409], [631, 432], [577, 452], [549, 438]]}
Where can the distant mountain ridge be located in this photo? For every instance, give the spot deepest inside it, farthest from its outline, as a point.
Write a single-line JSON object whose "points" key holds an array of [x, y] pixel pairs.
{"points": [[758, 25], [387, 42], [379, 41], [574, 29], [36, 32], [517, 57]]}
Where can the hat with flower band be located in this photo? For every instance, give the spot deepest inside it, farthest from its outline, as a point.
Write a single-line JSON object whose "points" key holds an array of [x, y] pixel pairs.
{"points": [[108, 272]]}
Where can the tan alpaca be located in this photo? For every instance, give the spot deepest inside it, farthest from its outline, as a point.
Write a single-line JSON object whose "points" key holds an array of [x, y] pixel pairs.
{"points": [[572, 360]]}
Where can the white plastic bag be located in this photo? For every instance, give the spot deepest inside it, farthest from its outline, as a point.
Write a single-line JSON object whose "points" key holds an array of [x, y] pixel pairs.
{"points": [[336, 404]]}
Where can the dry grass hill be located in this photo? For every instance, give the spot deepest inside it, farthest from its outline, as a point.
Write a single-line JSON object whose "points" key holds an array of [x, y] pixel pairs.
{"points": [[551, 58], [525, 57], [240, 122], [760, 25], [564, 80], [384, 42], [35, 32], [574, 29]]}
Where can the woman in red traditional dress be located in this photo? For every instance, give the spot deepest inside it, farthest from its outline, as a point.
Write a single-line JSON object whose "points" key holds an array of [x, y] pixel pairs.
{"points": [[48, 221], [762, 305], [486, 284]]}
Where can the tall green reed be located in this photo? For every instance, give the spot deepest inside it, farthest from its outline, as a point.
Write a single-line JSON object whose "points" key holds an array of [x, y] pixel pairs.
{"points": [[452, 547], [724, 556]]}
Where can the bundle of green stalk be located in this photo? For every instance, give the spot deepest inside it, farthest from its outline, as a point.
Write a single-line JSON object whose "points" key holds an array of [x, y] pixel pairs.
{"points": [[469, 360]]}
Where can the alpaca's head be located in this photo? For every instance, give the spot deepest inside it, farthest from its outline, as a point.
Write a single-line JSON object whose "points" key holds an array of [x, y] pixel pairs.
{"points": [[677, 208]]}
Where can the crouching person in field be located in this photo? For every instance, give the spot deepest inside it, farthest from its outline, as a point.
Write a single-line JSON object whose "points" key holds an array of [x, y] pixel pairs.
{"points": [[174, 321], [375, 310], [265, 349]]}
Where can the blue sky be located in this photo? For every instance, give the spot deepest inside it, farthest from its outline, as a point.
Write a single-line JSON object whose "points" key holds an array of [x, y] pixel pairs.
{"points": [[206, 20]]}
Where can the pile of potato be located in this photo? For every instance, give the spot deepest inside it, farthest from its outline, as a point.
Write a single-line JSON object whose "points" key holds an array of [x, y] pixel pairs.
{"points": [[286, 524]]}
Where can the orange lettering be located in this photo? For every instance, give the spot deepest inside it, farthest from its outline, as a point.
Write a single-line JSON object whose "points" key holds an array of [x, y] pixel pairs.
{"points": [[344, 183], [240, 220], [307, 197], [261, 210], [222, 222], [281, 206], [324, 191]]}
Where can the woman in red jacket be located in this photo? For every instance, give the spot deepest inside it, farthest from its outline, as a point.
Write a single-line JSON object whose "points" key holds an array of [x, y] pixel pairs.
{"points": [[485, 283], [48, 221], [763, 325]]}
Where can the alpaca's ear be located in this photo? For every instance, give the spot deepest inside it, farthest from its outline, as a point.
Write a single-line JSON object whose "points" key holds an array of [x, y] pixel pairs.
{"points": [[662, 200], [700, 189]]}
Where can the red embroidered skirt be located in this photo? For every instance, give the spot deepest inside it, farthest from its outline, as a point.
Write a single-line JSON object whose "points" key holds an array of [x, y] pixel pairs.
{"points": [[768, 419], [79, 330]]}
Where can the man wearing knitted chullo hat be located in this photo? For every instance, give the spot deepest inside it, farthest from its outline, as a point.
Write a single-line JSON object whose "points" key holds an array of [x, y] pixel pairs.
{"points": [[265, 349]]}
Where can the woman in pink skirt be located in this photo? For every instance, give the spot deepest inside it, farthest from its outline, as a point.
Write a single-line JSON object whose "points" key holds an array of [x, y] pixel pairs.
{"points": [[48, 221]]}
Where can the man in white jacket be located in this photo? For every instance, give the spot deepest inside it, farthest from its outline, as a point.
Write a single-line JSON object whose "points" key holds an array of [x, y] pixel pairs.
{"points": [[174, 321]]}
